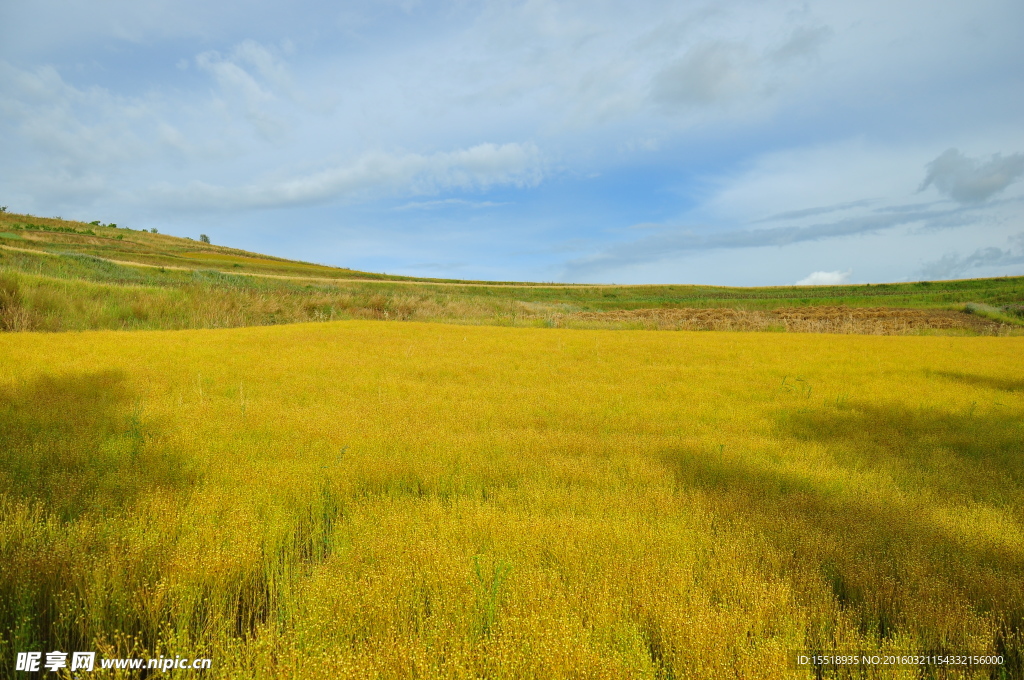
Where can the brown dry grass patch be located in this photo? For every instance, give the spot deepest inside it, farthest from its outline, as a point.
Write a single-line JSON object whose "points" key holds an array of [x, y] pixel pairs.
{"points": [[855, 320]]}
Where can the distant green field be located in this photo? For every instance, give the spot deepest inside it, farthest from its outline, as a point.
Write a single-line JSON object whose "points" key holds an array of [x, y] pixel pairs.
{"points": [[63, 275]]}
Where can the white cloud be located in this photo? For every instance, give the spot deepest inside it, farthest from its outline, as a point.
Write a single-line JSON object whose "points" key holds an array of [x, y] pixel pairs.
{"points": [[377, 174], [836, 278], [970, 180]]}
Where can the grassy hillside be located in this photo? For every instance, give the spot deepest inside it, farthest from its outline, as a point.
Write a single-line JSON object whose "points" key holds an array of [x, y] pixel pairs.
{"points": [[60, 275], [380, 500]]}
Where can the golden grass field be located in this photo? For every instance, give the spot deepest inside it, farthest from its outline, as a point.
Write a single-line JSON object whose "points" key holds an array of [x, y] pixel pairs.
{"points": [[363, 499]]}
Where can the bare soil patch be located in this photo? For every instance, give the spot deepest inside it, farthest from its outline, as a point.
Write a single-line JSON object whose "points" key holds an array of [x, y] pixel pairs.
{"points": [[857, 320]]}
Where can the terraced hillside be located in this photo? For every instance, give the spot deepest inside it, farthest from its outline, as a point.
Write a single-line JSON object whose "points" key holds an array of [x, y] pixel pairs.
{"points": [[62, 275]]}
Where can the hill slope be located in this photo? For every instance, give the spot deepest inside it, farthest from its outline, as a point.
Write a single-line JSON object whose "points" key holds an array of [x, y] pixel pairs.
{"points": [[63, 275]]}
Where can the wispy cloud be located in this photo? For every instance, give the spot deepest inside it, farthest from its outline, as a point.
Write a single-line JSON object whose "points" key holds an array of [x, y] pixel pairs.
{"points": [[679, 241], [953, 265], [376, 174], [254, 78], [450, 203], [811, 212]]}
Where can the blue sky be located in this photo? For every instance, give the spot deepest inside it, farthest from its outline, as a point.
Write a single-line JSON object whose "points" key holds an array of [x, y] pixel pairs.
{"points": [[736, 143]]}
